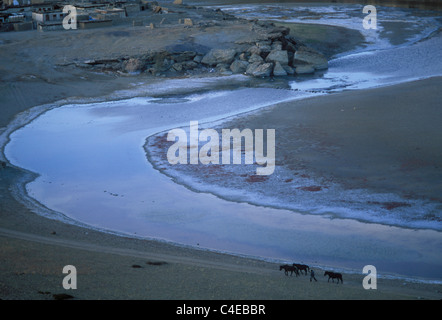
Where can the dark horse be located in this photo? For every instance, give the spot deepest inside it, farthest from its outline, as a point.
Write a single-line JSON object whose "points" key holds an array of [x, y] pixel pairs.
{"points": [[288, 269], [302, 267], [333, 275]]}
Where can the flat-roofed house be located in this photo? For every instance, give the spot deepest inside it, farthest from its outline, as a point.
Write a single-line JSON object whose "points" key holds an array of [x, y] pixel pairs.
{"points": [[47, 16]]}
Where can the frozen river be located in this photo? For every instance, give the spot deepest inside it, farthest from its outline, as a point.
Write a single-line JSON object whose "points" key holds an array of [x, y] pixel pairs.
{"points": [[92, 167]]}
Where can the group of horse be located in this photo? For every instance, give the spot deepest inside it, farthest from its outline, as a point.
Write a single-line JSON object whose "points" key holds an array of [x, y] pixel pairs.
{"points": [[298, 268], [294, 268]]}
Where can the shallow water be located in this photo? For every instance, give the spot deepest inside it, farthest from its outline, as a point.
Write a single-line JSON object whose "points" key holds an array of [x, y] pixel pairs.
{"points": [[93, 167]]}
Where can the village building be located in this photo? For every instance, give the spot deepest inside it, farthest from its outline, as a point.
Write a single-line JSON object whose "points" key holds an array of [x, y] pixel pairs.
{"points": [[47, 16]]}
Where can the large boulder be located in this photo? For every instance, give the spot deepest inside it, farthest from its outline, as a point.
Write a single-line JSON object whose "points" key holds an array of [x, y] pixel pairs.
{"points": [[305, 69], [278, 70], [258, 69], [217, 56], [254, 50], [289, 70], [312, 57], [280, 56], [255, 58]]}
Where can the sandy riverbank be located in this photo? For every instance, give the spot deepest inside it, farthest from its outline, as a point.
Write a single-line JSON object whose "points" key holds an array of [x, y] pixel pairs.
{"points": [[34, 249]]}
